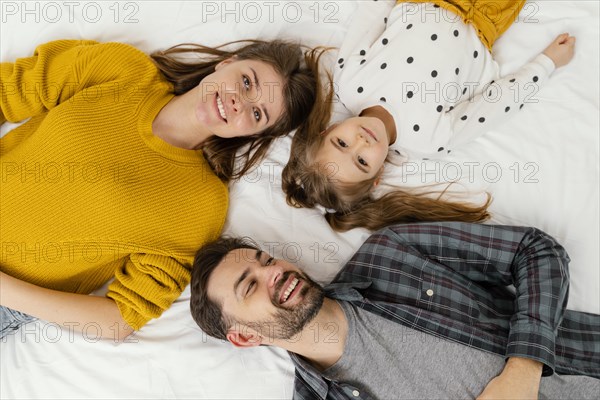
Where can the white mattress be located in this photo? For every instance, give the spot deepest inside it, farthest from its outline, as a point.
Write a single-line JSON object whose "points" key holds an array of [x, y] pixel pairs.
{"points": [[541, 167]]}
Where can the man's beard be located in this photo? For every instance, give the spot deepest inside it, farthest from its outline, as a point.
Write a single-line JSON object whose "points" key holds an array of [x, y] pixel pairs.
{"points": [[286, 323]]}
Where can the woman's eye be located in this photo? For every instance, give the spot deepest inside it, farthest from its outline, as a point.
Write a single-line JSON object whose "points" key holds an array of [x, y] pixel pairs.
{"points": [[246, 81], [342, 143], [269, 261], [362, 161], [256, 115]]}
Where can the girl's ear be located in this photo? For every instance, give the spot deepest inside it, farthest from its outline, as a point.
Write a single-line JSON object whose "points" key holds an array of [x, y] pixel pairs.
{"points": [[225, 62], [245, 338], [379, 174]]}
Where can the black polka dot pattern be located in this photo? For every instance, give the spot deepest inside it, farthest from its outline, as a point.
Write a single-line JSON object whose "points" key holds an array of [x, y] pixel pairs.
{"points": [[393, 52], [341, 66], [512, 80]]}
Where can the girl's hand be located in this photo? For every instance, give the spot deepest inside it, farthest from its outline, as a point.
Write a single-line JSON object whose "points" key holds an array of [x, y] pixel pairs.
{"points": [[561, 50]]}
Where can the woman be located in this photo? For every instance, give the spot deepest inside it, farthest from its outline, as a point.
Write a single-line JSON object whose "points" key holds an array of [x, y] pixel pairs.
{"points": [[107, 178]]}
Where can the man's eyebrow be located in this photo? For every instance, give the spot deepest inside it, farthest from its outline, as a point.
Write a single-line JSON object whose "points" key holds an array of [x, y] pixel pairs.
{"points": [[356, 163], [240, 280], [257, 85], [237, 283]]}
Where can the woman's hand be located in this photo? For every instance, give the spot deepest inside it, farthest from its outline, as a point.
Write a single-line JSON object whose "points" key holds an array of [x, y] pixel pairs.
{"points": [[561, 50], [72, 310]]}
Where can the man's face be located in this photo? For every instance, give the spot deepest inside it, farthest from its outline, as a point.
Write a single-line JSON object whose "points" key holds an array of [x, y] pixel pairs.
{"points": [[271, 297]]}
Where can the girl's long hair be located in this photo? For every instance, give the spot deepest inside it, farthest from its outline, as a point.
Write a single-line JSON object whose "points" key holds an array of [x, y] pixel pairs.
{"points": [[307, 183], [301, 83]]}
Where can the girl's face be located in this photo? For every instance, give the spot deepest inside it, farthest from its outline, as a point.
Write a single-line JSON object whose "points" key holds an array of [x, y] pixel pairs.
{"points": [[354, 150], [241, 98]]}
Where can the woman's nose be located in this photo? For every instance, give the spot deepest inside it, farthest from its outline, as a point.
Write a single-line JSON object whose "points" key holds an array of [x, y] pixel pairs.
{"points": [[235, 103]]}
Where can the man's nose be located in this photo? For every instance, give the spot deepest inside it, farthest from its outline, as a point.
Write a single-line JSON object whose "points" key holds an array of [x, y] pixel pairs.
{"points": [[270, 274]]}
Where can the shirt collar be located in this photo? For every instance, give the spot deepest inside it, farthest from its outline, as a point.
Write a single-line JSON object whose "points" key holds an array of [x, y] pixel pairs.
{"points": [[310, 375], [346, 291]]}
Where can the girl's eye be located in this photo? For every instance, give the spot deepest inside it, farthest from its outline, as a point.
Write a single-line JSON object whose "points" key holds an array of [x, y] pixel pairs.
{"points": [[342, 143], [362, 161], [246, 81], [256, 115]]}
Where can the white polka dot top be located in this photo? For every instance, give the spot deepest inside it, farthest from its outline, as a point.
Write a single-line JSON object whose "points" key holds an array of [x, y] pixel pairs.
{"points": [[431, 72]]}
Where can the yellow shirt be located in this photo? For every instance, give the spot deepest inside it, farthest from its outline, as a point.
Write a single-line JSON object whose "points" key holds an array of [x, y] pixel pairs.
{"points": [[88, 192]]}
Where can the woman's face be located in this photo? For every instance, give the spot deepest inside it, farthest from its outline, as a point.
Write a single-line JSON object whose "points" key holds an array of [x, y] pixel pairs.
{"points": [[241, 98], [354, 150]]}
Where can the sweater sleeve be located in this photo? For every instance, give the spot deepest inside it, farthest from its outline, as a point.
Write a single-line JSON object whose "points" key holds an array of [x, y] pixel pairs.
{"points": [[499, 101], [57, 71], [146, 285]]}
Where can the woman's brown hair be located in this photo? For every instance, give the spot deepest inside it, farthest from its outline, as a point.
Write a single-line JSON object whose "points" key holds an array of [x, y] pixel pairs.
{"points": [[307, 183], [301, 83]]}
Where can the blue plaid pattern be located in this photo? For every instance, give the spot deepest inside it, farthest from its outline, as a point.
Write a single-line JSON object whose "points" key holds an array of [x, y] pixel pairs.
{"points": [[450, 280]]}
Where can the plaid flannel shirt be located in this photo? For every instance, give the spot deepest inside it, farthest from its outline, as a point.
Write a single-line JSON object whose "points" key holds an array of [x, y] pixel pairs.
{"points": [[452, 280]]}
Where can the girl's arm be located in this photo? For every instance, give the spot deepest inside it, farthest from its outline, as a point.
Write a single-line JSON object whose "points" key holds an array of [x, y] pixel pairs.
{"points": [[504, 98], [73, 311]]}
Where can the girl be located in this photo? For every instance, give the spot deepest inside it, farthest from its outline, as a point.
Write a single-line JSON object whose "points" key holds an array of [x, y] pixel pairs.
{"points": [[107, 179], [417, 89]]}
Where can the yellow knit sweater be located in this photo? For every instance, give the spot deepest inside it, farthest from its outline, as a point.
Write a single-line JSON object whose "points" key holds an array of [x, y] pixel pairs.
{"points": [[88, 192]]}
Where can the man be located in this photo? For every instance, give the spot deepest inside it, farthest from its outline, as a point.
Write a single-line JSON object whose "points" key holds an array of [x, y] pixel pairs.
{"points": [[420, 311]]}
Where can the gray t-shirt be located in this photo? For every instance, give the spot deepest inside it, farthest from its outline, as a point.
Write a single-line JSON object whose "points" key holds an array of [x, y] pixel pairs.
{"points": [[392, 361]]}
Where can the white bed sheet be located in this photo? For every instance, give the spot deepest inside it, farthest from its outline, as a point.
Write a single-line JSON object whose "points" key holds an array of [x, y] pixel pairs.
{"points": [[547, 158]]}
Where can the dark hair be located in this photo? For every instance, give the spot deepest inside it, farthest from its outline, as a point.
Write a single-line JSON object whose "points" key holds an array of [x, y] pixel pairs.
{"points": [[206, 312], [301, 84], [308, 183]]}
